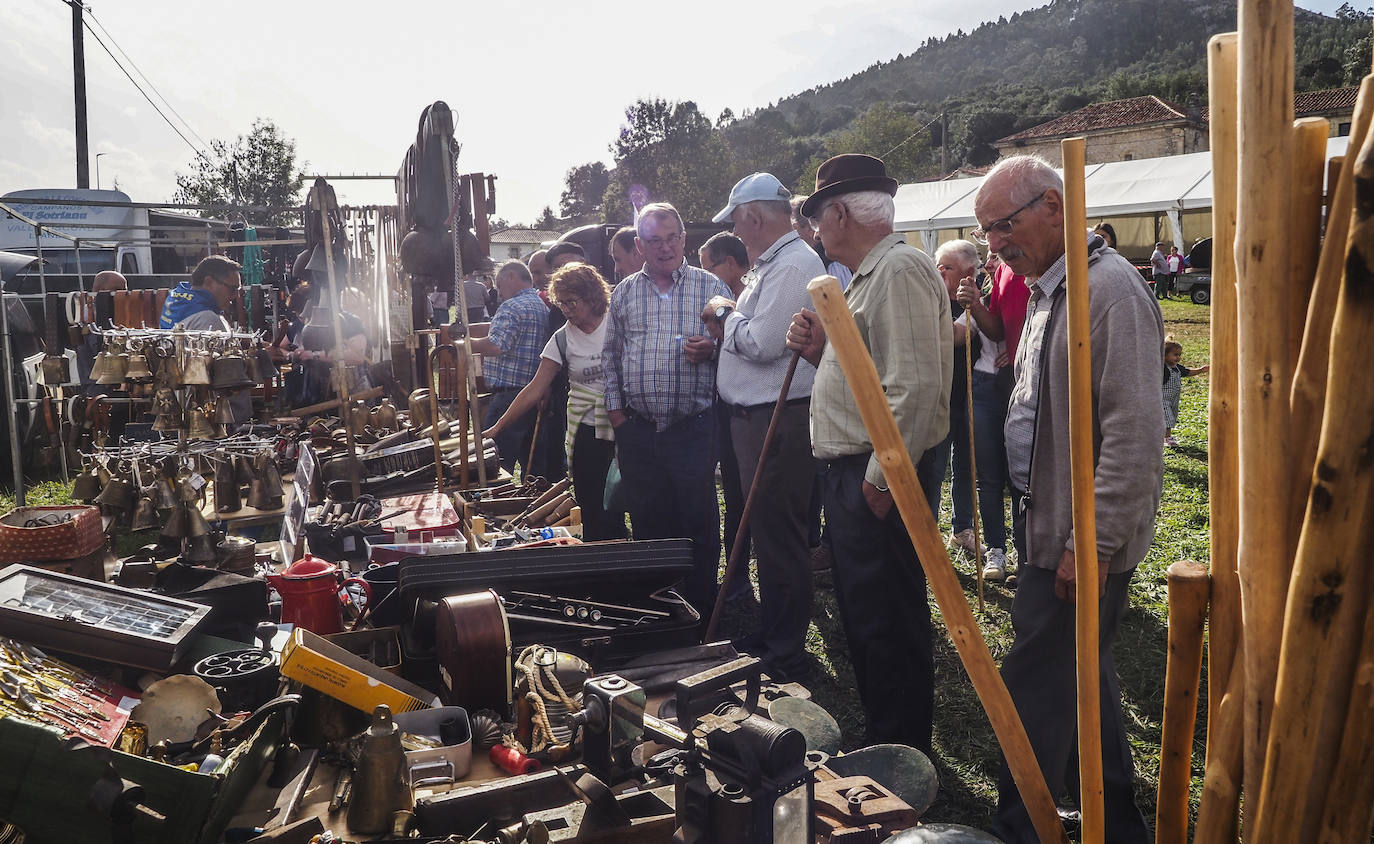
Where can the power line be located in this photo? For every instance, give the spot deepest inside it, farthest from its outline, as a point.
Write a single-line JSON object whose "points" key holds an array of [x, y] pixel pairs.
{"points": [[122, 69], [145, 78]]}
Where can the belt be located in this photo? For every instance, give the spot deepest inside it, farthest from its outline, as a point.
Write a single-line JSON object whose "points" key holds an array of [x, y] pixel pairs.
{"points": [[744, 411], [631, 413], [505, 389]]}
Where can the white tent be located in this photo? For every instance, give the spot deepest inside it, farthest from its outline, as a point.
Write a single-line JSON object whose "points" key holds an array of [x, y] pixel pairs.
{"points": [[1169, 185]]}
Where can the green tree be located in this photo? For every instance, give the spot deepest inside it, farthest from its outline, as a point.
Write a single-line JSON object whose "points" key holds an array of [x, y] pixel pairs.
{"points": [[258, 169], [547, 221], [892, 135], [586, 185], [676, 154]]}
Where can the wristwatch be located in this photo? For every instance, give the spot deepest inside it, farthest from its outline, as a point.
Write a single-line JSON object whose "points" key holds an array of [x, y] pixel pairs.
{"points": [[723, 311]]}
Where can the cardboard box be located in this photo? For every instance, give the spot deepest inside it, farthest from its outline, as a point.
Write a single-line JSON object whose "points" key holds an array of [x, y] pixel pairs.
{"points": [[324, 666], [380, 646]]}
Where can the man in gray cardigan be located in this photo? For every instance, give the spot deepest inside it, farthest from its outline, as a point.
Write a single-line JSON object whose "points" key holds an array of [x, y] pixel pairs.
{"points": [[1020, 208]]}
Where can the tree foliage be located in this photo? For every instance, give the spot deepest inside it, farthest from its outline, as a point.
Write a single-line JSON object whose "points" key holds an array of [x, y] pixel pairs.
{"points": [[585, 187], [676, 153], [258, 169]]}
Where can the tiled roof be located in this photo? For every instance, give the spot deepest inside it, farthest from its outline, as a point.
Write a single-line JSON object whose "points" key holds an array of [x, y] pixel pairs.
{"points": [[1117, 114], [523, 236], [1333, 99]]}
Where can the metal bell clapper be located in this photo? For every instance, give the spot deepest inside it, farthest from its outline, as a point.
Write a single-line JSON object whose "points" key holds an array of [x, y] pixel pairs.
{"points": [[380, 786], [226, 487]]}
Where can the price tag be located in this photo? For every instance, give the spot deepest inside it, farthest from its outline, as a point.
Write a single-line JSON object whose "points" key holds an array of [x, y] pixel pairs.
{"points": [[350, 543], [196, 481]]}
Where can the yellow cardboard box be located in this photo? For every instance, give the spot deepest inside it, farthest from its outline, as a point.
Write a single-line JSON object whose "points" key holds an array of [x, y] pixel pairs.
{"points": [[324, 666]]}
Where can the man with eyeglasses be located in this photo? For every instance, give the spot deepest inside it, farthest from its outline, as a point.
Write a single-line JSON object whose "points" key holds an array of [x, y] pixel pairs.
{"points": [[754, 360], [660, 385], [902, 311], [1020, 208], [200, 305]]}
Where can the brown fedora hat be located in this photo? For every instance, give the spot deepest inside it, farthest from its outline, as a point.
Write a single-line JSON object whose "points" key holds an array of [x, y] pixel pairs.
{"points": [[848, 173]]}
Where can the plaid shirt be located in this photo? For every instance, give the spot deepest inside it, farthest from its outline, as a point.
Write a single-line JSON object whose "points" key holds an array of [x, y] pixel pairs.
{"points": [[646, 369], [518, 329]]}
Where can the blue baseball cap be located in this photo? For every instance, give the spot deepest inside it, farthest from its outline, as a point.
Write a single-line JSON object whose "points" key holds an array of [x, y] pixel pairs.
{"points": [[753, 188]]}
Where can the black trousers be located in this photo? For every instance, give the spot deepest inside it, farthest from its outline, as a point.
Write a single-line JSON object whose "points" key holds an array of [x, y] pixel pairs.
{"points": [[591, 458], [881, 590], [1040, 673]]}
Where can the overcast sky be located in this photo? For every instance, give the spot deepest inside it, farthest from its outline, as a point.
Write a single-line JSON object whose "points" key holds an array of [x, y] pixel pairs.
{"points": [[538, 86]]}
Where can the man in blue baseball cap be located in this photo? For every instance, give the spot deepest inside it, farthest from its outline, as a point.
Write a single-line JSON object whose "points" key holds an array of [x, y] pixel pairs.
{"points": [[752, 334]]}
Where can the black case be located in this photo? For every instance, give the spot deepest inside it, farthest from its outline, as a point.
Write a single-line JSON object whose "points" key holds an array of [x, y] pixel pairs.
{"points": [[639, 574]]}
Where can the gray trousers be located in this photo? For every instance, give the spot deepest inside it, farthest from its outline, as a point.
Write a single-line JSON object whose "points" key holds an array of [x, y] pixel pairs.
{"points": [[1039, 671], [778, 523]]}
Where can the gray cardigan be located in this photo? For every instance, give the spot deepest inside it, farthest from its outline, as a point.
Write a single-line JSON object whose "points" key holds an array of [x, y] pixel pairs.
{"points": [[1128, 427]]}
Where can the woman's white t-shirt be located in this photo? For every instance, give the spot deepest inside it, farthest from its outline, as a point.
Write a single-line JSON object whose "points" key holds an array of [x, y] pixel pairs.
{"points": [[584, 365]]}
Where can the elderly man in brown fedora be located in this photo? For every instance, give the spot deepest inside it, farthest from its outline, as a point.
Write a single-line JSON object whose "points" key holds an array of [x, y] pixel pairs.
{"points": [[902, 310]]}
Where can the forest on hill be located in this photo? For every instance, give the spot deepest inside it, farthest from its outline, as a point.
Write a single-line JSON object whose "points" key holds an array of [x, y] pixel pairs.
{"points": [[942, 105]]}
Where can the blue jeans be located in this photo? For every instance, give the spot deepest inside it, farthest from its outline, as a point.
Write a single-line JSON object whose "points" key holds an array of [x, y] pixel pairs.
{"points": [[669, 478], [989, 416], [510, 439]]}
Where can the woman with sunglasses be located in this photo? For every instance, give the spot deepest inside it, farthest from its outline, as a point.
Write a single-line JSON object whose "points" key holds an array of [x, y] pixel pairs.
{"points": [[583, 296]]}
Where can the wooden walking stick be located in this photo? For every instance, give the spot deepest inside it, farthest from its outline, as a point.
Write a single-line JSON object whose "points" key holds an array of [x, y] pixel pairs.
{"points": [[1223, 467], [1083, 464], [742, 532], [435, 379], [1328, 596], [973, 460], [534, 439], [1189, 588], [1216, 818], [1264, 185], [888, 447]]}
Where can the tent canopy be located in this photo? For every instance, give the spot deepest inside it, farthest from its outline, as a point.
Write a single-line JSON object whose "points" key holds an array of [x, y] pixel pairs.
{"points": [[1116, 189]]}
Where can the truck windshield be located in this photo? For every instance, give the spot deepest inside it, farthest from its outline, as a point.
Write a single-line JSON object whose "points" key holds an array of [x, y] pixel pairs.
{"points": [[63, 261]]}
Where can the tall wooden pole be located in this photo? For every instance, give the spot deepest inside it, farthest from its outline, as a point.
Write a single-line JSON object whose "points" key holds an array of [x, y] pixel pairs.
{"points": [[1264, 146], [1083, 464], [843, 335], [1188, 592]]}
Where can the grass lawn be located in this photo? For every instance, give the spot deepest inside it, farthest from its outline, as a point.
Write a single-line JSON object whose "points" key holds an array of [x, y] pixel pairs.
{"points": [[966, 749]]}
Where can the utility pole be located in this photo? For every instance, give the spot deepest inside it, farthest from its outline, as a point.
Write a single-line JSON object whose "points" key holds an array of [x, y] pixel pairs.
{"points": [[83, 163], [944, 143]]}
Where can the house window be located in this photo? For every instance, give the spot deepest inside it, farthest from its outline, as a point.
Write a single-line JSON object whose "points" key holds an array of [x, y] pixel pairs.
{"points": [[513, 252], [1342, 130], [1130, 156]]}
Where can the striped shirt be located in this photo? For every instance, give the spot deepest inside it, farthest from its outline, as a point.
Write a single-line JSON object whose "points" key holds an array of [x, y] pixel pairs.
{"points": [[517, 329], [1025, 396], [647, 372]]}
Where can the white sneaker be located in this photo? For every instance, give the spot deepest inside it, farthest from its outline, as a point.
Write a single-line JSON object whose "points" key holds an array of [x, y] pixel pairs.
{"points": [[995, 565], [964, 539]]}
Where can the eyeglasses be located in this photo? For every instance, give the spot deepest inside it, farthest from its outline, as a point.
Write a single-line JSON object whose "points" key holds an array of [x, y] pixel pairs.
{"points": [[1003, 226], [234, 288], [565, 304], [659, 242], [815, 219]]}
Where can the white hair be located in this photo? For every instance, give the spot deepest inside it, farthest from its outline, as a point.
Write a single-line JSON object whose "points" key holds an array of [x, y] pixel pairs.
{"points": [[1027, 177], [961, 253], [658, 209], [869, 207]]}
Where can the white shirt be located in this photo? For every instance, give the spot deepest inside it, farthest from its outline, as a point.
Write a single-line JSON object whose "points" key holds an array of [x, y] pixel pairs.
{"points": [[584, 364]]}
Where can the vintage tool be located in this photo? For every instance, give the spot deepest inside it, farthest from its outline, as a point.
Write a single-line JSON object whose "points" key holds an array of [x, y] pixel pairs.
{"points": [[380, 787], [1188, 592], [1083, 462], [843, 336], [847, 807], [548, 692], [613, 722], [472, 644]]}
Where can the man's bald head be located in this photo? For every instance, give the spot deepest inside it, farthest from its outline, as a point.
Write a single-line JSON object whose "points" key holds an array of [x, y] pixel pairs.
{"points": [[109, 280], [539, 269]]}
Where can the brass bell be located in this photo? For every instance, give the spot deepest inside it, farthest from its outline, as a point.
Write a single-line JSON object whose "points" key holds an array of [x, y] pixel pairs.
{"points": [[166, 497], [169, 372], [224, 414], [138, 368], [54, 370], [229, 372], [118, 494], [168, 419], [384, 416], [115, 368], [419, 409], [359, 417], [226, 487], [265, 492], [199, 427], [196, 370], [201, 550], [145, 514], [176, 525], [99, 365], [86, 486]]}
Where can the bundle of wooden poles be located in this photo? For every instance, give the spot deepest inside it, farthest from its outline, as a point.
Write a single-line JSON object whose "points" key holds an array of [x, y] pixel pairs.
{"points": [[1287, 601]]}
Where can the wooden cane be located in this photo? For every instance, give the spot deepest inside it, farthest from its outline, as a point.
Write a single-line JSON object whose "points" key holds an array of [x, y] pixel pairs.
{"points": [[1328, 596], [340, 379], [890, 450], [534, 441], [1083, 465], [335, 403], [1223, 468], [1305, 221], [742, 532], [1264, 146], [1189, 588], [1217, 815], [973, 460], [435, 379]]}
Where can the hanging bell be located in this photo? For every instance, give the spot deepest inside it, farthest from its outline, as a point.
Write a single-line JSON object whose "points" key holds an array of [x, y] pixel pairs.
{"points": [[196, 370], [166, 497], [86, 486], [169, 372], [99, 365], [176, 525], [115, 368], [54, 371], [265, 491], [118, 494], [199, 427], [145, 514], [226, 487], [359, 417], [201, 550], [168, 419], [267, 469], [138, 368], [229, 372], [196, 525], [243, 470], [224, 414]]}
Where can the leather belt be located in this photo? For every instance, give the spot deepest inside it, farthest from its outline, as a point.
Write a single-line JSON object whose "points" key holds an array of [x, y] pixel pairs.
{"points": [[744, 411]]}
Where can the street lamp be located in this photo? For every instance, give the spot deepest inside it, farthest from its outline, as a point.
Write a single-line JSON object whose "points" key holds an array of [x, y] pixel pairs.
{"points": [[97, 168]]}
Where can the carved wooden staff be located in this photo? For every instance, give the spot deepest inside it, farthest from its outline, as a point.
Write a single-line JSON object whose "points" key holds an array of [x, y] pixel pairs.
{"points": [[1328, 595], [973, 458], [1188, 591], [1083, 465], [1264, 146], [1223, 467], [888, 447]]}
